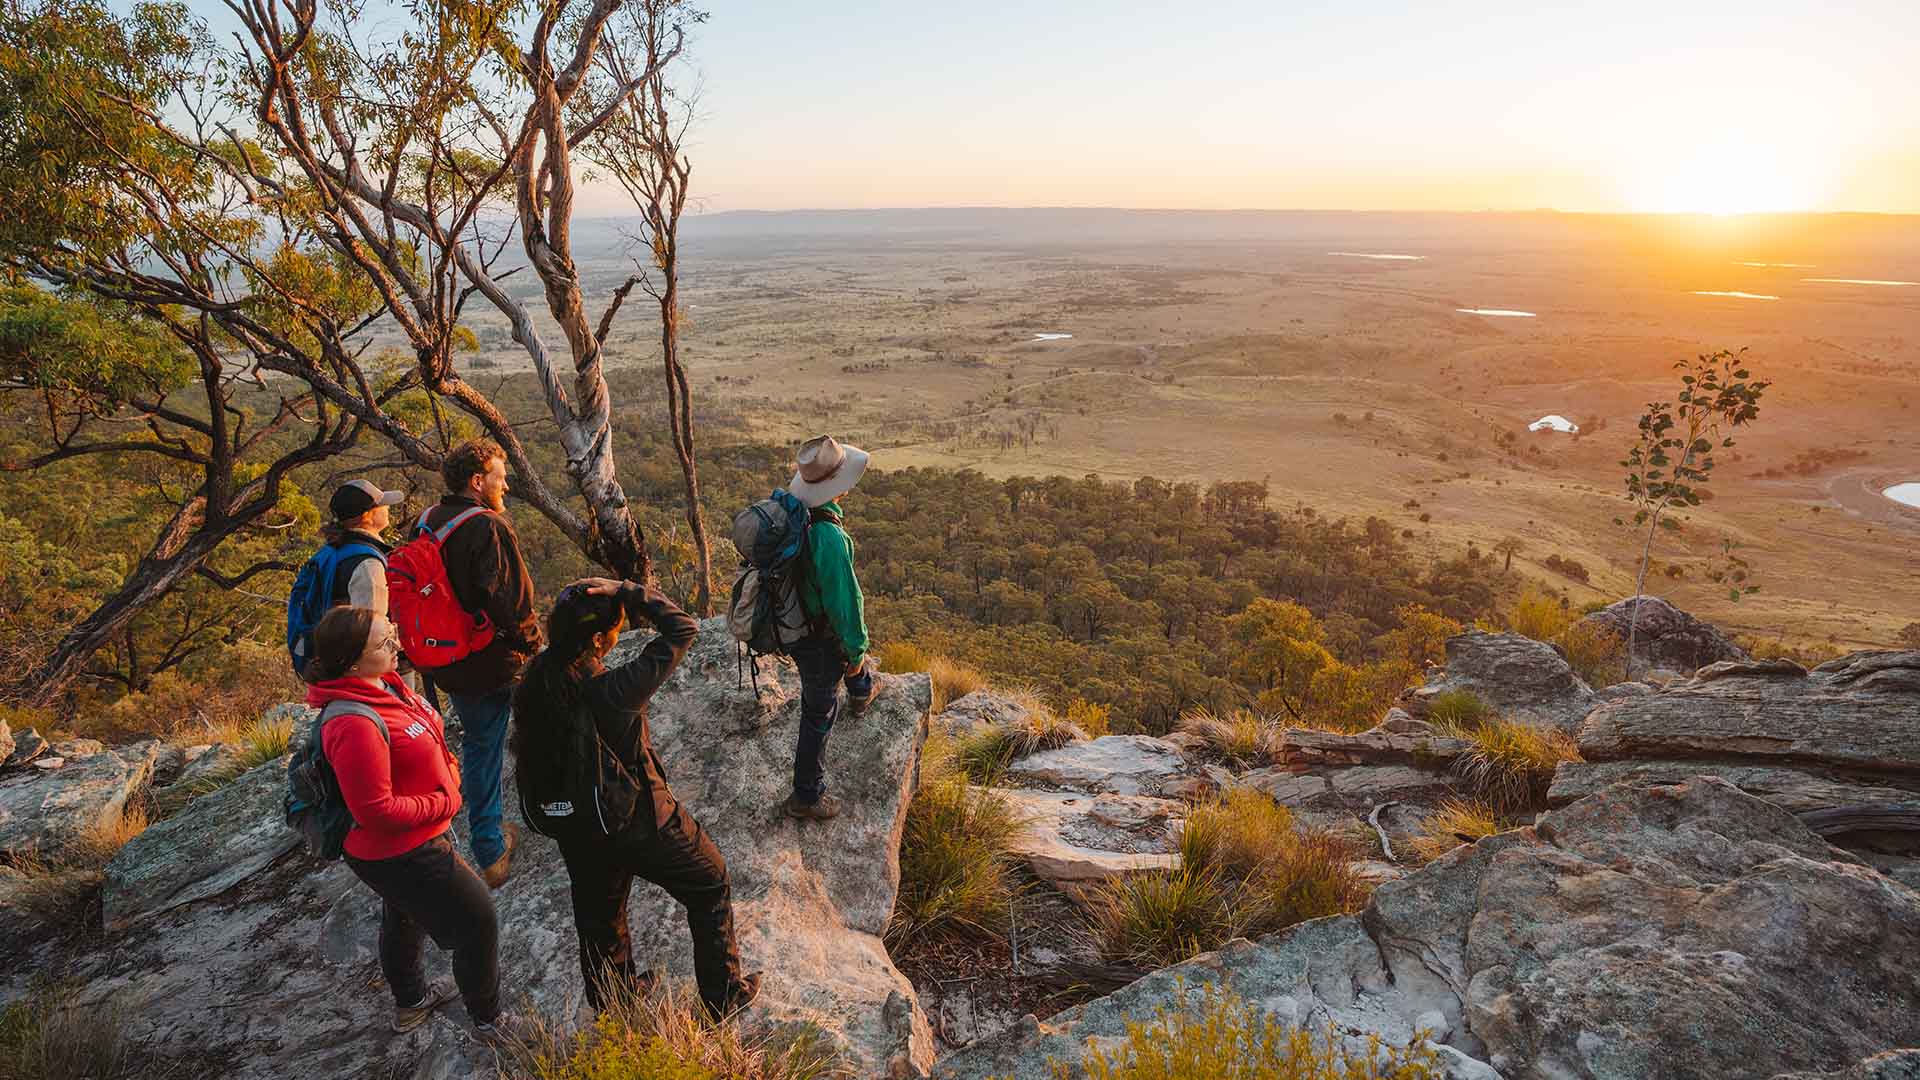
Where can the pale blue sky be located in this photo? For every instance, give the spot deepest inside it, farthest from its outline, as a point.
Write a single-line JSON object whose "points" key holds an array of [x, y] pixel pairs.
{"points": [[1387, 104]]}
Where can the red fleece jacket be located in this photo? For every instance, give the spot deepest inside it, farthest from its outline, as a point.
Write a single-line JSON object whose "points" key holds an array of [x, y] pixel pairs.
{"points": [[402, 790]]}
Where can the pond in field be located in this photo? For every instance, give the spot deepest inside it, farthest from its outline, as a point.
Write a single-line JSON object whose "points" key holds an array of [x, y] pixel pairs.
{"points": [[1859, 281], [1498, 313], [1554, 422], [1734, 293], [1051, 337], [1377, 255], [1908, 493]]}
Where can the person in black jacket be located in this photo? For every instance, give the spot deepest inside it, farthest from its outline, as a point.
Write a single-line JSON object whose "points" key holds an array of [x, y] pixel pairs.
{"points": [[614, 815]]}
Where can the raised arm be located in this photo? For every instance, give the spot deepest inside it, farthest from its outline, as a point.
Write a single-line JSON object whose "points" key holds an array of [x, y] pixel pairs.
{"points": [[633, 682]]}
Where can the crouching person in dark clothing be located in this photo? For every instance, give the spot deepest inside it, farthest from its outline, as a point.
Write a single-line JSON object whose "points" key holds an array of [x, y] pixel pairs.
{"points": [[588, 777], [401, 785]]}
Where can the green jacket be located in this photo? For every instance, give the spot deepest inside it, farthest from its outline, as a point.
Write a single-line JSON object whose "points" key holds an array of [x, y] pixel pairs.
{"points": [[832, 589]]}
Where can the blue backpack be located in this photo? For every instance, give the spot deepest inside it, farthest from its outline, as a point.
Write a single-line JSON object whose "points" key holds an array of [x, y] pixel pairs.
{"points": [[312, 596]]}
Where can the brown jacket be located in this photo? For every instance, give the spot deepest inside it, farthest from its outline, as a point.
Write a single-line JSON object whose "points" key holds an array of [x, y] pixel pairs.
{"points": [[489, 576]]}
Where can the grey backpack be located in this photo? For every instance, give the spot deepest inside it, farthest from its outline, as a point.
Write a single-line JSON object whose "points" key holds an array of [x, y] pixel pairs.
{"points": [[766, 614]]}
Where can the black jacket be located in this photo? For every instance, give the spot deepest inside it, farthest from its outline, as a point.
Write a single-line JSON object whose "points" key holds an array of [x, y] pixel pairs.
{"points": [[632, 784], [489, 576]]}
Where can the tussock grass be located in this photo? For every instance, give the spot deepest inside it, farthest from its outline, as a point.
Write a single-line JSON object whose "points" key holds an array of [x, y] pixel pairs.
{"points": [[62, 883], [1223, 1038], [1246, 868], [1539, 615], [1458, 712], [956, 865], [902, 656], [985, 754], [952, 680], [48, 1035], [1511, 764], [660, 1034], [1596, 654], [259, 740], [1456, 822], [1093, 720], [1240, 736]]}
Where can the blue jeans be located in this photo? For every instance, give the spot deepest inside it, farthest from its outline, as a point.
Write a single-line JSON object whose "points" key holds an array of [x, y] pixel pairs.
{"points": [[822, 669], [483, 756]]}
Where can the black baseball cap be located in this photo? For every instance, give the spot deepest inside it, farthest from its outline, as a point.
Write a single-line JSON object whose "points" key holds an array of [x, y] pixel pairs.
{"points": [[356, 497]]}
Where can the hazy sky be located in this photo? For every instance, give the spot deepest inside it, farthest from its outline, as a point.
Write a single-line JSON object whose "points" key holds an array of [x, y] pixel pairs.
{"points": [[1634, 105]]}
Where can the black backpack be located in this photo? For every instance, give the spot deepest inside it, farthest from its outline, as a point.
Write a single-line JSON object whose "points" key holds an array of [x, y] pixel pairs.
{"points": [[314, 806], [580, 800]]}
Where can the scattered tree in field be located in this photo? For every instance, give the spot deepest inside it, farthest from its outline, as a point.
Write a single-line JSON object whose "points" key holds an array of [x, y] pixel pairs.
{"points": [[1672, 460], [1508, 546]]}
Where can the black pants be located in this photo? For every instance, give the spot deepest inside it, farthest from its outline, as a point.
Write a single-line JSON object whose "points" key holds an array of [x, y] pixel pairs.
{"points": [[679, 857], [431, 891], [823, 668]]}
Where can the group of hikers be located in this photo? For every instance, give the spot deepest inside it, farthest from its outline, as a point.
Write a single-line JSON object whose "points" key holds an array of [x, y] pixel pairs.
{"points": [[377, 630]]}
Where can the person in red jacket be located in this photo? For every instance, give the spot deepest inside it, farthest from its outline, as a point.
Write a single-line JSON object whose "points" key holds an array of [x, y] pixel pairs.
{"points": [[403, 791]]}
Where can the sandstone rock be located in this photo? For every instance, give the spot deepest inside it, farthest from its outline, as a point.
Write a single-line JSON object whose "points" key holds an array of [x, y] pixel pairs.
{"points": [[27, 745], [219, 978], [1860, 713], [1366, 785], [1689, 931], [1792, 789], [53, 810], [1289, 788], [78, 748], [1419, 746], [218, 841], [1892, 1065], [1519, 677], [1074, 839], [6, 741], [1666, 636], [1120, 764], [982, 709]]}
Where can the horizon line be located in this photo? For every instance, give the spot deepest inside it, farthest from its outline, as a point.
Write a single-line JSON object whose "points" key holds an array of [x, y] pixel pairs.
{"points": [[1537, 211]]}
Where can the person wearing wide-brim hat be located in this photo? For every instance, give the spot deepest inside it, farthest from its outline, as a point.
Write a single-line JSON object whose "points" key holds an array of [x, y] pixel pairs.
{"points": [[836, 652]]}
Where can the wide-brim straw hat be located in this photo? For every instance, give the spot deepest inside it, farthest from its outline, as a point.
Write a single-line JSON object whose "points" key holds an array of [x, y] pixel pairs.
{"points": [[825, 470]]}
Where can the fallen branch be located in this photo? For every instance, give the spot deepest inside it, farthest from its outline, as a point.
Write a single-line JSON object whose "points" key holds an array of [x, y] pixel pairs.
{"points": [[1373, 819]]}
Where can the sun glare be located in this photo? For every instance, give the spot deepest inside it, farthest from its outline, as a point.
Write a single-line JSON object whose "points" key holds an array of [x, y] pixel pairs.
{"points": [[1722, 178]]}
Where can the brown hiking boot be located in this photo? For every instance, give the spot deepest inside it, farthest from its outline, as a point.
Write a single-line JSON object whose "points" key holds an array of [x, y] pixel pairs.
{"points": [[408, 1017], [820, 810], [738, 999], [858, 705], [502, 868]]}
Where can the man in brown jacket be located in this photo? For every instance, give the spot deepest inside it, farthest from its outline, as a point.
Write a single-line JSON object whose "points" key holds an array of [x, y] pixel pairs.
{"points": [[489, 577]]}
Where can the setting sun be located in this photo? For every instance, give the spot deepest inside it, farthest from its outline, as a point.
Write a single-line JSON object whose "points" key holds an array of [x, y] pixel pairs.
{"points": [[1721, 177]]}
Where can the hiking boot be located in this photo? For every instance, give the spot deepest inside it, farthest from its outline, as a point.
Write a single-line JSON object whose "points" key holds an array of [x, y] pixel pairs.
{"points": [[439, 992], [738, 999], [507, 1031], [820, 809], [502, 868], [858, 705]]}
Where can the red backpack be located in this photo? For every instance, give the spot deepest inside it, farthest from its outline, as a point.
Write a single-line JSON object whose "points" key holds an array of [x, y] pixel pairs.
{"points": [[434, 629]]}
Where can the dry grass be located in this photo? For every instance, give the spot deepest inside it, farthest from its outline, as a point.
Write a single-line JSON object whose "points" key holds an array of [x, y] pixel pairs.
{"points": [[985, 754], [1456, 822], [1246, 868], [899, 657], [1539, 615], [952, 681], [1223, 1038], [1596, 654], [1093, 720], [1511, 764], [48, 1035], [62, 883], [1241, 736], [956, 869], [661, 1034], [1458, 712]]}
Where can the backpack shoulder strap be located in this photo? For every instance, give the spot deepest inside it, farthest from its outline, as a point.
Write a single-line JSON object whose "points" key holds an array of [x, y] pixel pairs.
{"points": [[440, 535], [338, 707]]}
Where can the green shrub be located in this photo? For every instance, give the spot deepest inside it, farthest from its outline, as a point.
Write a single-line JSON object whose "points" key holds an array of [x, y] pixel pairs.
{"points": [[1458, 712], [1538, 615], [956, 866], [659, 1034], [1223, 1038], [1240, 837], [1314, 878], [1241, 736], [1596, 654], [1511, 764]]}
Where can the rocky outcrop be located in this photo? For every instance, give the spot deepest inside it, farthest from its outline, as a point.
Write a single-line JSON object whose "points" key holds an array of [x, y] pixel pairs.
{"points": [[983, 709], [1111, 764], [6, 742], [218, 841], [1846, 733], [1892, 1065], [1074, 839], [1522, 679], [1685, 931], [1665, 636], [27, 745], [213, 981], [48, 810]]}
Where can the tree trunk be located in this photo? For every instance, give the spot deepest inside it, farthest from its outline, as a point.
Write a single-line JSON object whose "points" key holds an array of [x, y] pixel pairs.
{"points": [[680, 421], [183, 545]]}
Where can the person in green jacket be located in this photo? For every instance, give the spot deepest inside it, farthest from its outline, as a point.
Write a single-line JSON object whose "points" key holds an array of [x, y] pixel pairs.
{"points": [[836, 650]]}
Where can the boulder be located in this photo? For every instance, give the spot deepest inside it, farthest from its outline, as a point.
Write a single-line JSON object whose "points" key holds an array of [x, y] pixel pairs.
{"points": [[1289, 788], [1793, 789], [218, 841], [54, 809], [1407, 742], [217, 979], [983, 709], [1116, 764], [1860, 713], [1519, 677], [1073, 839], [1892, 1065], [72, 749], [1363, 786], [27, 745], [1665, 637], [1684, 931]]}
